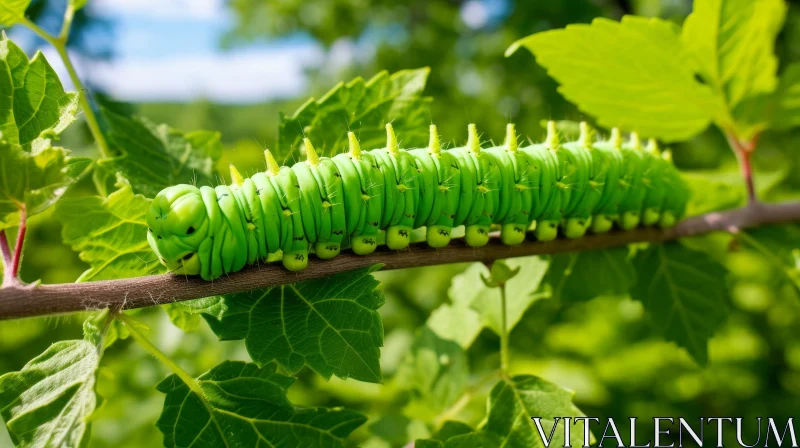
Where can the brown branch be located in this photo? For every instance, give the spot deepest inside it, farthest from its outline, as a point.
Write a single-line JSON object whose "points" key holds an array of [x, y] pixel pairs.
{"points": [[25, 301]]}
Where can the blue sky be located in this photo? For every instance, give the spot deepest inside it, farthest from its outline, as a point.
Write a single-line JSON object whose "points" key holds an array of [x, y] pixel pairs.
{"points": [[168, 50]]}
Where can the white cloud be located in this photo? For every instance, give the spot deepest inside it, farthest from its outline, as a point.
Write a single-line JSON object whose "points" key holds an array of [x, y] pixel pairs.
{"points": [[238, 77], [171, 9]]}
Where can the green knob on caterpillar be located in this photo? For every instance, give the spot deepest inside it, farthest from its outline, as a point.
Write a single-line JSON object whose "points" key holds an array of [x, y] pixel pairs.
{"points": [[272, 165], [510, 143], [311, 154], [667, 219], [438, 236], [398, 237], [236, 178], [585, 138], [476, 235], [391, 140], [295, 260], [616, 138], [652, 147], [355, 148], [636, 142], [326, 250], [364, 244], [651, 216], [602, 223], [512, 234], [576, 227], [473, 141], [667, 155], [434, 146], [546, 230], [551, 140], [629, 220]]}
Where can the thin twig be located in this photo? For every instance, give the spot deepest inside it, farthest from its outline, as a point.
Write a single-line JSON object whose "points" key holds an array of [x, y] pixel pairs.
{"points": [[23, 226], [161, 289], [743, 151]]}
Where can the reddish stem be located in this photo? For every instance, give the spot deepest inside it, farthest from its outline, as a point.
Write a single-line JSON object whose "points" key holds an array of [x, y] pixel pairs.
{"points": [[23, 226], [743, 150]]}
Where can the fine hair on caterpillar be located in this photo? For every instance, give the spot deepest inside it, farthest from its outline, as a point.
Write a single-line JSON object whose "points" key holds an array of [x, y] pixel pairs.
{"points": [[317, 205]]}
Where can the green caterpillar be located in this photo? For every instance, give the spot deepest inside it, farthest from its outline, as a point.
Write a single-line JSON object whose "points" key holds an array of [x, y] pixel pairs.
{"points": [[318, 204]]}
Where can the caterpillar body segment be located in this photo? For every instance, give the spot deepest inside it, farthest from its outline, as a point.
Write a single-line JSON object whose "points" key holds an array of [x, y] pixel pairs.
{"points": [[319, 204]]}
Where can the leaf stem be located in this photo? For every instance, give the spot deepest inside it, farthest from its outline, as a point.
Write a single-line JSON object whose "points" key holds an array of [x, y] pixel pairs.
{"points": [[504, 330], [743, 151], [161, 356], [23, 227], [60, 44]]}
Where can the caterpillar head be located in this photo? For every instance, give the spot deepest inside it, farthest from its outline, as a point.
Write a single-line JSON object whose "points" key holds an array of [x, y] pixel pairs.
{"points": [[178, 224]]}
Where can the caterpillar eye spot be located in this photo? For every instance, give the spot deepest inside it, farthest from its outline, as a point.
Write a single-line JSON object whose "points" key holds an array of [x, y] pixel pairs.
{"points": [[159, 237], [188, 256], [402, 233], [190, 230], [337, 174], [258, 192], [299, 257], [444, 233], [151, 230]]}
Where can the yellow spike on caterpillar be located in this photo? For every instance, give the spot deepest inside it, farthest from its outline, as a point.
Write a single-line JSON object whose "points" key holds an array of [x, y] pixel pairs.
{"points": [[320, 203], [473, 140], [616, 138], [354, 147], [236, 178], [551, 141], [391, 140], [434, 146], [510, 142], [635, 141], [311, 154], [652, 147], [272, 165], [586, 136]]}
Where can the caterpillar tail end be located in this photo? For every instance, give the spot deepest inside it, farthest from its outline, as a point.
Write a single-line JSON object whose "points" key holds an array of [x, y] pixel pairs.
{"points": [[602, 223], [512, 234], [438, 236], [476, 235], [295, 260], [398, 237], [326, 250], [363, 244], [546, 230], [576, 227]]}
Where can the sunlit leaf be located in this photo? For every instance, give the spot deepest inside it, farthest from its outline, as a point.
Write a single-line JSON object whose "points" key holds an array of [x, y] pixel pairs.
{"points": [[787, 97], [581, 276], [48, 402], [363, 107], [110, 234], [34, 104], [330, 325], [684, 292], [634, 74], [240, 404]]}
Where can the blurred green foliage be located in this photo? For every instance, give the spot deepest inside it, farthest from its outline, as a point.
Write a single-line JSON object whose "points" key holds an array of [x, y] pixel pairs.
{"points": [[603, 348]]}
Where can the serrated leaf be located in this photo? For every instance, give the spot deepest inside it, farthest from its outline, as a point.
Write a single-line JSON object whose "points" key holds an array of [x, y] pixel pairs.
{"points": [[240, 404], [49, 401], [363, 107], [98, 330], [634, 74], [476, 306], [684, 292], [779, 245], [110, 234], [787, 97], [152, 157], [512, 404], [34, 180], [455, 434], [330, 325], [435, 370], [732, 42], [182, 317], [581, 276], [36, 105]]}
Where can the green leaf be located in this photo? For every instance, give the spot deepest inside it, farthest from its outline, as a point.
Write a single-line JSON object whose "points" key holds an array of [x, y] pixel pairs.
{"points": [[330, 325], [476, 306], [12, 12], [732, 42], [512, 404], [97, 329], [36, 179], [778, 245], [153, 157], [35, 105], [581, 276], [363, 107], [458, 435], [182, 317], [684, 292], [110, 234], [787, 98], [240, 404], [634, 74], [436, 372], [48, 402]]}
